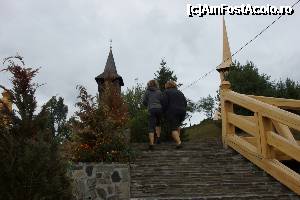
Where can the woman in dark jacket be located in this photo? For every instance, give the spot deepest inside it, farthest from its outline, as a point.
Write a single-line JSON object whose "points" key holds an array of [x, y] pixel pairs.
{"points": [[175, 104], [152, 99]]}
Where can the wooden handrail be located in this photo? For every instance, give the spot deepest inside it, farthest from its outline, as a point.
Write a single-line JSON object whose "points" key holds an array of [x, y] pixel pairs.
{"points": [[290, 104], [290, 119], [264, 147]]}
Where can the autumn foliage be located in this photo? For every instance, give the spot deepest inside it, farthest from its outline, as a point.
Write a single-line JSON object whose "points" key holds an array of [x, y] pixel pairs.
{"points": [[98, 128], [31, 165]]}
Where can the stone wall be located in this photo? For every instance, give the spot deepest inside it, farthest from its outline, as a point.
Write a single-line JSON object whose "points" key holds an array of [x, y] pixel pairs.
{"points": [[97, 181]]}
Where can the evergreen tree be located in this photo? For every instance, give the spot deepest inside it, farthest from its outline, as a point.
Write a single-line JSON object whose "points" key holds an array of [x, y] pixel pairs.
{"points": [[31, 167], [287, 89], [164, 74], [246, 79]]}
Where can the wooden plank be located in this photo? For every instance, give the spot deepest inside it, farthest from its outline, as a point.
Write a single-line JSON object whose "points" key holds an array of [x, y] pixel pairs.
{"points": [[284, 131], [281, 156], [290, 119], [280, 172], [242, 123], [243, 143], [284, 145], [291, 104], [251, 140], [264, 125], [249, 118]]}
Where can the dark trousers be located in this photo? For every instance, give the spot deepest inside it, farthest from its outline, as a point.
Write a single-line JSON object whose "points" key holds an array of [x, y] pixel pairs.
{"points": [[175, 118], [154, 118]]}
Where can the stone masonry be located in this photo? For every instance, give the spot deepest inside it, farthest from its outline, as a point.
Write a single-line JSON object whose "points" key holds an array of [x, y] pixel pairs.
{"points": [[97, 181]]}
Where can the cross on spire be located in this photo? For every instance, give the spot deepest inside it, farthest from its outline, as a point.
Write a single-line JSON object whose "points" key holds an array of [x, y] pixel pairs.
{"points": [[110, 43]]}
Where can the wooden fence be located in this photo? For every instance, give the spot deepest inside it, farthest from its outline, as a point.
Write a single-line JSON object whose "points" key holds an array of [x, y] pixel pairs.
{"points": [[267, 136]]}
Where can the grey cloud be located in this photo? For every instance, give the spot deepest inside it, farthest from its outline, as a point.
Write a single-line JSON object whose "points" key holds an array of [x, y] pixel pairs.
{"points": [[69, 39]]}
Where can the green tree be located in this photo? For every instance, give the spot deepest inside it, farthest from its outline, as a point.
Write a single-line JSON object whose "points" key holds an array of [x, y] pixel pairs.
{"points": [[164, 74], [134, 97], [98, 128], [246, 79], [57, 114], [207, 105], [138, 121], [287, 89], [31, 166]]}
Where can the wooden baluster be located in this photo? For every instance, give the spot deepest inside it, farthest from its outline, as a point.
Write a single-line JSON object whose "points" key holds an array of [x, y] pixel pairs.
{"points": [[258, 138], [265, 125]]}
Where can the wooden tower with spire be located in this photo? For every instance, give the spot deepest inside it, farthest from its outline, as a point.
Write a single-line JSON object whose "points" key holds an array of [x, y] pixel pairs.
{"points": [[109, 74]]}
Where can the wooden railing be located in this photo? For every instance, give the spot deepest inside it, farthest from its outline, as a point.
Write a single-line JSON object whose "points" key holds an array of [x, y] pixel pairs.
{"points": [[267, 137]]}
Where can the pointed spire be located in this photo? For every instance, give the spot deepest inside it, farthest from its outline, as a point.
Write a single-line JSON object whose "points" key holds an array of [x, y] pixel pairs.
{"points": [[226, 49], [110, 70], [227, 58]]}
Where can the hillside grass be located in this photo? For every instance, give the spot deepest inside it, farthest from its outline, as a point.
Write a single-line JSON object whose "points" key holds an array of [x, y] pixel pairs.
{"points": [[213, 129], [206, 129]]}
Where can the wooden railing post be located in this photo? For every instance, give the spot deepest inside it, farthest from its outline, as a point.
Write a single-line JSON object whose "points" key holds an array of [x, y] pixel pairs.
{"points": [[227, 128], [265, 125]]}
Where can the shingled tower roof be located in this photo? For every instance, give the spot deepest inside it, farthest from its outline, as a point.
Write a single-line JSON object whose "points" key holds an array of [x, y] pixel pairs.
{"points": [[110, 71]]}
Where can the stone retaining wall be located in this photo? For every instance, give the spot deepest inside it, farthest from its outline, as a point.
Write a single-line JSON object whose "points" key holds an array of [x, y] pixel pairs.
{"points": [[97, 181]]}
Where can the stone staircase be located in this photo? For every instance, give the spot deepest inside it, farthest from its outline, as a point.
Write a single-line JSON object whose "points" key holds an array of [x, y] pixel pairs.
{"points": [[202, 170]]}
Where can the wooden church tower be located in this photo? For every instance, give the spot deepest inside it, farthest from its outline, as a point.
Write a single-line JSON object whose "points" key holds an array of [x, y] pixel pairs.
{"points": [[109, 75]]}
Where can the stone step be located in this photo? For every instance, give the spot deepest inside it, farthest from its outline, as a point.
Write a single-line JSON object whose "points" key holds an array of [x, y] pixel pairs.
{"points": [[200, 171], [224, 197]]}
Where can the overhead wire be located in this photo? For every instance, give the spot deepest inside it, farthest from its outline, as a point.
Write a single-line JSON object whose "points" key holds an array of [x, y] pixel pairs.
{"points": [[240, 49]]}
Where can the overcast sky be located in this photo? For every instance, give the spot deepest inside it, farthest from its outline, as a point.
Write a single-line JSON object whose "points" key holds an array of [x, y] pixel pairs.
{"points": [[69, 40]]}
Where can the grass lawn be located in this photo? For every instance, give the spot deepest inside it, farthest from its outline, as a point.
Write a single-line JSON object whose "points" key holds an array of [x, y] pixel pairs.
{"points": [[206, 129]]}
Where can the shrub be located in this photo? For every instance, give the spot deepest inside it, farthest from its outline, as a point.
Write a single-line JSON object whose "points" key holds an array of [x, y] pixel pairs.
{"points": [[31, 167], [139, 126], [98, 128]]}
